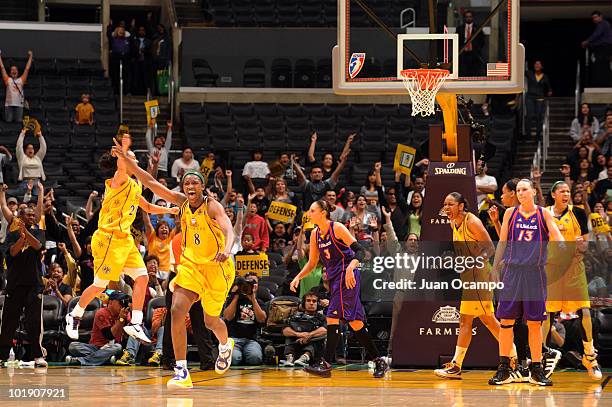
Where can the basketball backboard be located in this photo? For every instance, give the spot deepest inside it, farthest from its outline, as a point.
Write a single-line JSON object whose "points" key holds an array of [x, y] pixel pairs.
{"points": [[377, 39]]}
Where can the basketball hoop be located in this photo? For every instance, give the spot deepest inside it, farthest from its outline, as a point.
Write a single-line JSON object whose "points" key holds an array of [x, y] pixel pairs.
{"points": [[423, 85]]}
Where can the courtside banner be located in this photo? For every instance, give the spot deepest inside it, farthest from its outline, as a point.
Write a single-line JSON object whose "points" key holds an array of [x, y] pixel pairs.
{"points": [[282, 211], [257, 263], [404, 159], [598, 224]]}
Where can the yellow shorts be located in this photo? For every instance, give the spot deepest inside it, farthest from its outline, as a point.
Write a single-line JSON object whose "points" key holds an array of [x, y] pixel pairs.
{"points": [[211, 282], [567, 291], [477, 308], [114, 256]]}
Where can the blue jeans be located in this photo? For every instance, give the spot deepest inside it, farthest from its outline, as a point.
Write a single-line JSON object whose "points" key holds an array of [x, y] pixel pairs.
{"points": [[246, 352], [133, 345], [13, 114], [91, 355]]}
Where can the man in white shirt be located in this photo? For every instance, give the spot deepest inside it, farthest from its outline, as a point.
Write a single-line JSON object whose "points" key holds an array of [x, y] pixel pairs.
{"points": [[485, 184], [257, 170]]}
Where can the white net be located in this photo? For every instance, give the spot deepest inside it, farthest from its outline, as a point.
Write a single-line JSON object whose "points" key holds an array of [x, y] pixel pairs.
{"points": [[423, 85]]}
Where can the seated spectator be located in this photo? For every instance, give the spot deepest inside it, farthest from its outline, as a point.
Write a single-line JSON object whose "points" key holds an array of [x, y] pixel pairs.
{"points": [[155, 288], [257, 227], [54, 285], [604, 137], [248, 245], [585, 120], [128, 358], [15, 99], [29, 160], [337, 214], [244, 315], [186, 162], [84, 111], [256, 170], [361, 221], [597, 284], [106, 334], [305, 335], [279, 238]]}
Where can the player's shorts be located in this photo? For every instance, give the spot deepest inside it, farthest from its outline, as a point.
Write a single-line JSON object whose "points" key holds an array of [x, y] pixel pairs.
{"points": [[477, 308], [524, 294], [567, 290], [345, 303], [211, 282], [114, 256], [476, 302]]}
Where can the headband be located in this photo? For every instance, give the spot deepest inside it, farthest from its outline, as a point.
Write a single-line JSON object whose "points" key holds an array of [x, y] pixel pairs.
{"points": [[193, 172], [555, 184]]}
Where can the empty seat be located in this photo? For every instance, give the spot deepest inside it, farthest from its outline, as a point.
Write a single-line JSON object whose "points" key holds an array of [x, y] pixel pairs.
{"points": [[322, 123], [67, 66], [254, 74], [44, 66], [203, 73], [216, 108], [290, 109], [362, 110], [338, 110], [191, 107], [281, 73], [324, 73], [90, 67], [54, 90], [241, 109], [304, 75]]}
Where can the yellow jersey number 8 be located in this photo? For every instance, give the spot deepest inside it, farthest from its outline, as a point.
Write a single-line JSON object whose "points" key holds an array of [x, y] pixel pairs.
{"points": [[196, 238]]}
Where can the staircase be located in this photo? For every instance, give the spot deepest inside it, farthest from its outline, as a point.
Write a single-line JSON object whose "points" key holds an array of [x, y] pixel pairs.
{"points": [[134, 115], [561, 115], [191, 13]]}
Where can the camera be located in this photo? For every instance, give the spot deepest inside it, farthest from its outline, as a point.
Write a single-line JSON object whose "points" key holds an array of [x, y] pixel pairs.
{"points": [[245, 287], [125, 302]]}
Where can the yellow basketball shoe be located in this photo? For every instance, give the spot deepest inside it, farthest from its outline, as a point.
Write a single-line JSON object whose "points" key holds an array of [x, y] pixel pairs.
{"points": [[181, 379]]}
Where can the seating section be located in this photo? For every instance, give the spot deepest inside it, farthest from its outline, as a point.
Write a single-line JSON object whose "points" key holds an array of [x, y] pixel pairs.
{"points": [[306, 13], [234, 130]]}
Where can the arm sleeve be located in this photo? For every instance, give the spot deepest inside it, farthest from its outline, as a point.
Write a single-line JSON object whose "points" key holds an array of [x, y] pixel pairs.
{"points": [[42, 151], [169, 139], [582, 219], [148, 136]]}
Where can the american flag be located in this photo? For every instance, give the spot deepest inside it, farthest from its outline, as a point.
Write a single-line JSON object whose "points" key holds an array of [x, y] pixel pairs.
{"points": [[497, 69]]}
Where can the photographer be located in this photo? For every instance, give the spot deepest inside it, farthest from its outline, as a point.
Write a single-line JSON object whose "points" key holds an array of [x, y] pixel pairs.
{"points": [[106, 334], [306, 333], [244, 314]]}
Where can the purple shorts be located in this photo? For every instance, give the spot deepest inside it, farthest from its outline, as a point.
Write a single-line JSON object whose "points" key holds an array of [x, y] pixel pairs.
{"points": [[523, 295], [344, 303]]}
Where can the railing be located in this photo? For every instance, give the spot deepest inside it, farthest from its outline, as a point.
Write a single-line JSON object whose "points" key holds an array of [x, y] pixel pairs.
{"points": [[121, 92], [577, 89], [541, 154], [411, 22], [171, 92]]}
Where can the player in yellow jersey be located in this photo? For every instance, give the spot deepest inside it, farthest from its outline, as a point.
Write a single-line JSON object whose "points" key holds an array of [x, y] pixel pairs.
{"points": [[113, 246], [470, 239], [206, 271], [567, 286]]}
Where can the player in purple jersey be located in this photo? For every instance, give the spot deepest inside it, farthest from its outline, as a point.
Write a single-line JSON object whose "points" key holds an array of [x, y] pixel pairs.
{"points": [[521, 253], [337, 249]]}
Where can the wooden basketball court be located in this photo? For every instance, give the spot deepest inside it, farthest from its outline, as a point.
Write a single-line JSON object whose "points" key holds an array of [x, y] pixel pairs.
{"points": [[349, 386]]}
